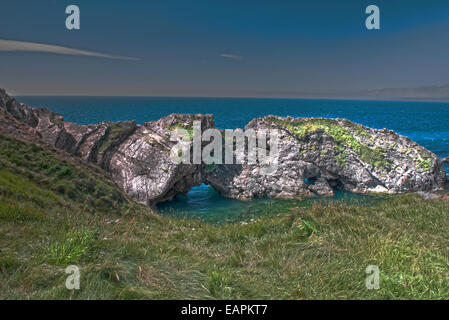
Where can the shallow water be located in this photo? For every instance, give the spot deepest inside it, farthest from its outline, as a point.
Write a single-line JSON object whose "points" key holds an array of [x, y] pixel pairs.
{"points": [[204, 203]]}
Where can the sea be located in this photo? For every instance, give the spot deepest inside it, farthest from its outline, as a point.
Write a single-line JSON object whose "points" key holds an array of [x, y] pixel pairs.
{"points": [[427, 123]]}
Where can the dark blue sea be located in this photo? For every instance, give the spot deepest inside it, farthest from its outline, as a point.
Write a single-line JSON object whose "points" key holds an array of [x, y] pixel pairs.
{"points": [[427, 123]]}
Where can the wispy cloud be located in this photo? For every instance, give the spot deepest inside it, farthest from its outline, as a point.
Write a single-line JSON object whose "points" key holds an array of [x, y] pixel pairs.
{"points": [[231, 56], [21, 46]]}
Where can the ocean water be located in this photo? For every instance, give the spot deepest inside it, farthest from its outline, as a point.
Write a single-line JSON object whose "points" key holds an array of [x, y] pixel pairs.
{"points": [[427, 123]]}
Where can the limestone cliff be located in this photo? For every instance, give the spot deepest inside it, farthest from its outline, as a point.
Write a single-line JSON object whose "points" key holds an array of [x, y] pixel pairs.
{"points": [[316, 155]]}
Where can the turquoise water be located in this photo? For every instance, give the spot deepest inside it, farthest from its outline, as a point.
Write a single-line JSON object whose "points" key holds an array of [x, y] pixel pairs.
{"points": [[427, 123], [205, 203]]}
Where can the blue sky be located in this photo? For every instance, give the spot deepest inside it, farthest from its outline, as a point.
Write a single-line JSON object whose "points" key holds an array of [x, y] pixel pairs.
{"points": [[225, 48]]}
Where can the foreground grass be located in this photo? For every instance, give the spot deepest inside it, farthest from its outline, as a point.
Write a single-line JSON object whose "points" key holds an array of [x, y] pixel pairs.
{"points": [[126, 251]]}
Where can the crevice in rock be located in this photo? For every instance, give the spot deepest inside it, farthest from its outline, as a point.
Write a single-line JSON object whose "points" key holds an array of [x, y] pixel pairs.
{"points": [[83, 140]]}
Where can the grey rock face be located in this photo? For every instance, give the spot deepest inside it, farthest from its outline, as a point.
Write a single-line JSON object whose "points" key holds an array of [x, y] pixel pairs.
{"points": [[315, 156], [142, 165], [18, 110]]}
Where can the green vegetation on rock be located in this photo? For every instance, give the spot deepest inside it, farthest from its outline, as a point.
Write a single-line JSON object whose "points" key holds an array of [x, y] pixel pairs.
{"points": [[188, 128], [113, 136], [211, 167], [341, 135], [424, 162]]}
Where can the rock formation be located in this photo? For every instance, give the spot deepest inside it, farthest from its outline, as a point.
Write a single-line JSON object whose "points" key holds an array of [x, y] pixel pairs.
{"points": [[316, 155], [137, 156]]}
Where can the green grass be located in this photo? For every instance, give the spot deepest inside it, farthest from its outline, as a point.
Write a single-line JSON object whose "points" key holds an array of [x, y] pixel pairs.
{"points": [[126, 251], [115, 134], [188, 130], [72, 248], [28, 173]]}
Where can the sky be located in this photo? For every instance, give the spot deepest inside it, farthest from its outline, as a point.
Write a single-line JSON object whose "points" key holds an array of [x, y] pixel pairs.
{"points": [[221, 48]]}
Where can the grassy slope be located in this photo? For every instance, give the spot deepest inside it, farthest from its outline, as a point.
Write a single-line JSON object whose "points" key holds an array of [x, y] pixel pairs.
{"points": [[54, 213]]}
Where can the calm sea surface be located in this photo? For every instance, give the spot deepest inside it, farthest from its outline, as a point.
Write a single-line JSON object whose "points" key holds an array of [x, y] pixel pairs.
{"points": [[427, 123]]}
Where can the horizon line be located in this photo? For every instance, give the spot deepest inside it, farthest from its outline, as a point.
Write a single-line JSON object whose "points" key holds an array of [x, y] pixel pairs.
{"points": [[403, 99]]}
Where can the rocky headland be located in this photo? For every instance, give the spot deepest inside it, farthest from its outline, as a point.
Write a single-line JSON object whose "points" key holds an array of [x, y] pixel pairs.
{"points": [[316, 155]]}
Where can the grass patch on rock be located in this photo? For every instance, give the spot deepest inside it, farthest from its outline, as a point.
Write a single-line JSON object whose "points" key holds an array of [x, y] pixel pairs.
{"points": [[341, 135]]}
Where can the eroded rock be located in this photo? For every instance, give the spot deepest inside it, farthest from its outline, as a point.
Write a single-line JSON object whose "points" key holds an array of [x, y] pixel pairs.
{"points": [[142, 165], [316, 155]]}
